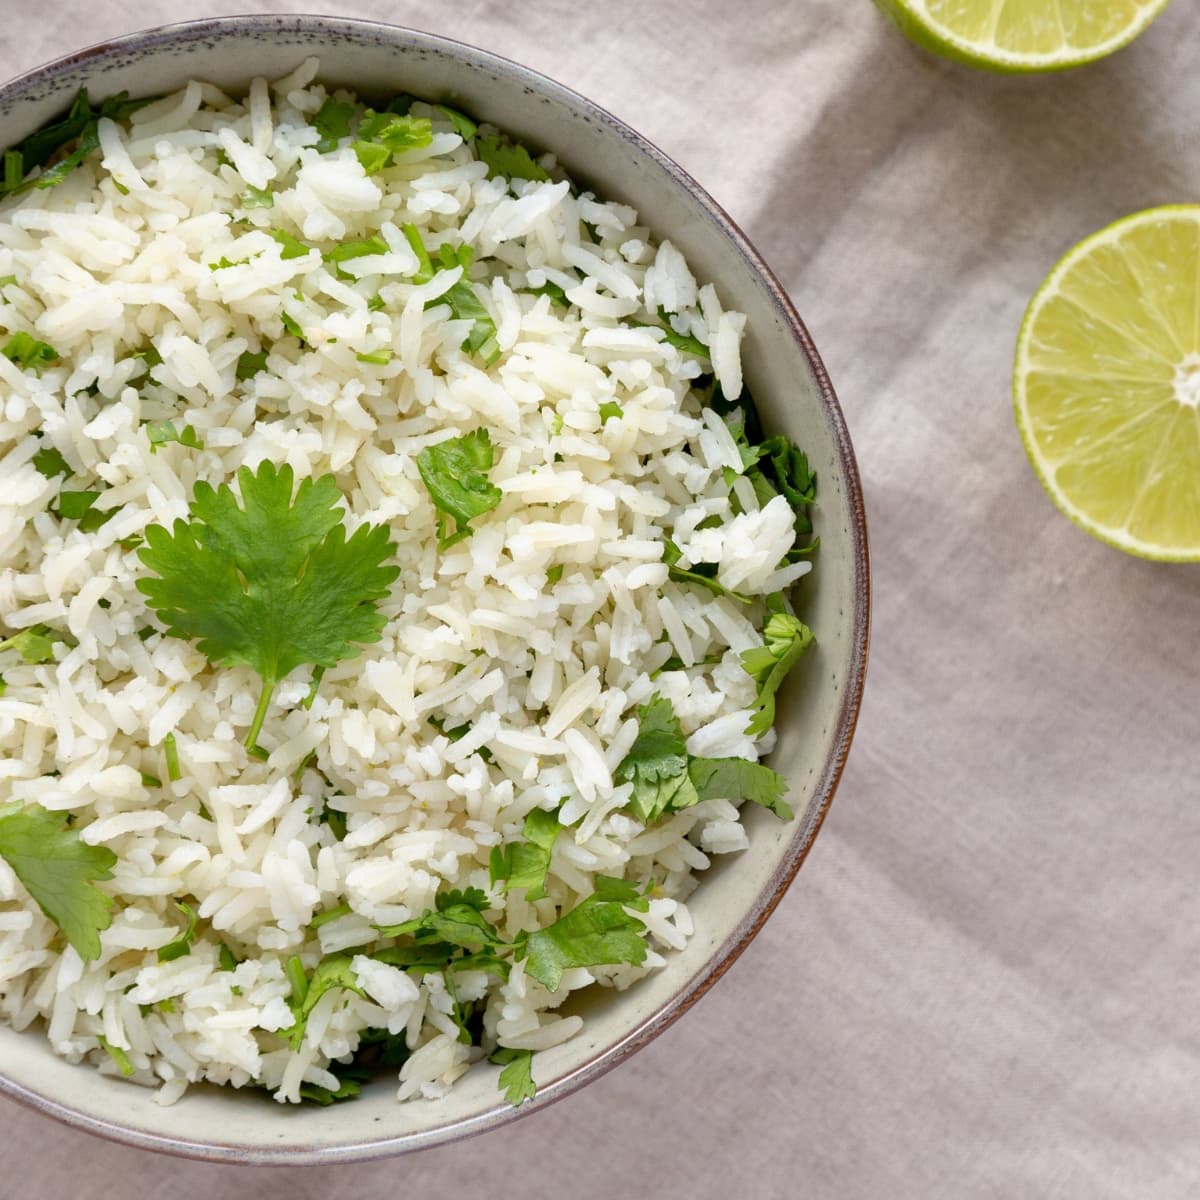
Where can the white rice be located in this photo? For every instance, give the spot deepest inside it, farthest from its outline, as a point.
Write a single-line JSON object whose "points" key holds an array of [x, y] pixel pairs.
{"points": [[541, 633]]}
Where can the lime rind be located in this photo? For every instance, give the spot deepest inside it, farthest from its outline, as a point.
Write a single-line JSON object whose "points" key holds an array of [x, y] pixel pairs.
{"points": [[1121, 537], [914, 21]]}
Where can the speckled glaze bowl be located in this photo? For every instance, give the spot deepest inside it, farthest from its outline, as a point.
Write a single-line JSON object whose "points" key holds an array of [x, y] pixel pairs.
{"points": [[817, 710]]}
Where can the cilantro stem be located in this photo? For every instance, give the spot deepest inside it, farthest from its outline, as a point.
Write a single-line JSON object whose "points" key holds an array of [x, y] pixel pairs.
{"points": [[171, 753], [260, 713]]}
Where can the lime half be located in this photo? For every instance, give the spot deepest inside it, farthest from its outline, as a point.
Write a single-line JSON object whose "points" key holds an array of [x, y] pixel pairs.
{"points": [[1107, 384], [1023, 35]]}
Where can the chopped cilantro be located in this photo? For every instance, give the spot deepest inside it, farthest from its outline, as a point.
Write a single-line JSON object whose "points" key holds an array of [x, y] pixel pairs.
{"points": [[78, 127], [680, 341], [292, 246], [455, 472], [516, 1080], [330, 914], [609, 409], [272, 584], [254, 197], [171, 754], [161, 432], [28, 353], [508, 160], [739, 779], [554, 574], [412, 235], [524, 864], [226, 959], [34, 645], [250, 363], [292, 325], [552, 290], [49, 462], [657, 763], [459, 122], [6, 280], [596, 932], [150, 781], [785, 639], [330, 973], [348, 250], [373, 156], [335, 819], [666, 778], [80, 506], [182, 945], [456, 921], [119, 1057], [59, 870], [381, 135], [377, 358], [332, 122]]}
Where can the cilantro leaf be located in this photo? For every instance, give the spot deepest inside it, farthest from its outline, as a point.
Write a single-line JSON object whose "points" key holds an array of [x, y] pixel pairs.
{"points": [[596, 932], [182, 945], [455, 473], [334, 971], [516, 1080], [681, 341], [293, 247], [524, 864], [424, 272], [332, 122], [610, 409], [35, 645], [739, 779], [249, 364], [381, 135], [78, 126], [556, 293], [348, 250], [464, 304], [508, 160], [59, 870], [459, 121], [456, 921], [28, 353], [160, 432], [785, 639], [273, 584], [657, 763], [49, 462], [254, 197]]}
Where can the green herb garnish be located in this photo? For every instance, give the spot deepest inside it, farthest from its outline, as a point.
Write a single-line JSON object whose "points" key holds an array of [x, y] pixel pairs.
{"points": [[28, 353], [455, 472], [59, 870], [273, 584], [508, 160], [183, 943], [785, 639]]}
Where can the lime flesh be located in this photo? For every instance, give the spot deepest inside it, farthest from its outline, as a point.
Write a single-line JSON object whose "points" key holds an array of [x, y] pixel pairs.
{"points": [[1023, 35], [1107, 384]]}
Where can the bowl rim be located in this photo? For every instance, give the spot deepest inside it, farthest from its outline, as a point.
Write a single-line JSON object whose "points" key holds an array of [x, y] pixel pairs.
{"points": [[769, 897]]}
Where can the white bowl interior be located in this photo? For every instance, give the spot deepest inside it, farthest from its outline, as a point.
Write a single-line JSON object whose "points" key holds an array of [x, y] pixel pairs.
{"points": [[816, 710]]}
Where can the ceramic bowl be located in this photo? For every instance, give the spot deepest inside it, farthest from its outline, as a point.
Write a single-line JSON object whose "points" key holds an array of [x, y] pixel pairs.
{"points": [[817, 709]]}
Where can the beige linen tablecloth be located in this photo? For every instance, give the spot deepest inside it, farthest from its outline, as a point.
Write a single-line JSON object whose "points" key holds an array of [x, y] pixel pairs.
{"points": [[986, 980]]}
